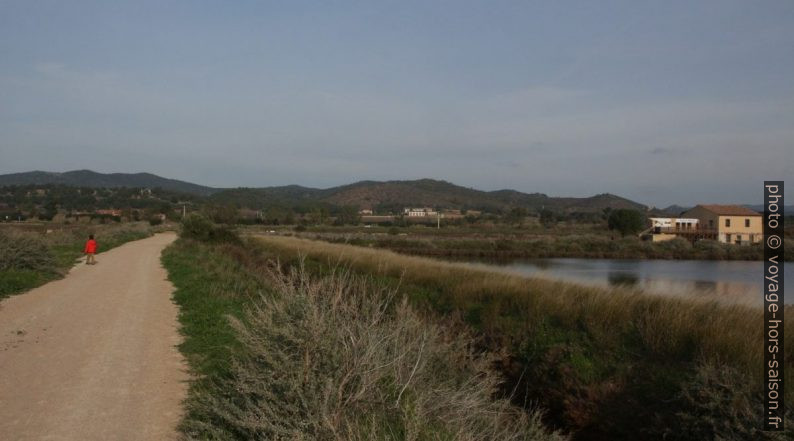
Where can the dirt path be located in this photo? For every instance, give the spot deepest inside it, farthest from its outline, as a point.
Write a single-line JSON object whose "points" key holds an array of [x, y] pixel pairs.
{"points": [[93, 356]]}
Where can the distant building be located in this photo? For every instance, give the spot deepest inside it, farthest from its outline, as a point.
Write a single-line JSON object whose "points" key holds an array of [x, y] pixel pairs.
{"points": [[451, 214], [673, 223], [112, 212], [728, 223], [667, 228], [420, 212], [365, 212]]}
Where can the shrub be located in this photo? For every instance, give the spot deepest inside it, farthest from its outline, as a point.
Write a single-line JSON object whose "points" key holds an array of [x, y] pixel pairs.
{"points": [[198, 227], [155, 220], [24, 251], [334, 359], [721, 404], [626, 221], [711, 249]]}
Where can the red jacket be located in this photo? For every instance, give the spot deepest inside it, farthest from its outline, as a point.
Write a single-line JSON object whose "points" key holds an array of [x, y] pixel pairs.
{"points": [[90, 246]]}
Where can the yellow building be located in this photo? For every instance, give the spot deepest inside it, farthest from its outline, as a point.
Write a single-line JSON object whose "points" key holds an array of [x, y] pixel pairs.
{"points": [[728, 223]]}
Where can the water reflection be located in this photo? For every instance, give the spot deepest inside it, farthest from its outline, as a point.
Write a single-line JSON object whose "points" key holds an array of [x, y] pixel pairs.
{"points": [[724, 281], [620, 278]]}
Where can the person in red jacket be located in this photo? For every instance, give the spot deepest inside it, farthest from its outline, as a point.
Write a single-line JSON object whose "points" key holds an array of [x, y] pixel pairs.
{"points": [[90, 250]]}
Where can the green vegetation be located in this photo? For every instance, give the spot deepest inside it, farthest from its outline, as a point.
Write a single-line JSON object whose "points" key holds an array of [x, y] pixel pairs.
{"points": [[607, 364], [559, 243], [44, 202], [282, 353], [626, 221], [198, 227], [31, 258]]}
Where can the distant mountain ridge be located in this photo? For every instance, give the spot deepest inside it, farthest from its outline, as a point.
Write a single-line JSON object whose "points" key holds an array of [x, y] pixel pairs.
{"points": [[394, 195], [391, 195], [88, 178]]}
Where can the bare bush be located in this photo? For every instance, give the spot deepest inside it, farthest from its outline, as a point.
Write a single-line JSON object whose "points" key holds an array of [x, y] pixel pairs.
{"points": [[336, 358], [24, 251]]}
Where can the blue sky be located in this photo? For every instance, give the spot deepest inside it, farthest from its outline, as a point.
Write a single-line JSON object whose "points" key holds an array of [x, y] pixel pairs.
{"points": [[663, 102]]}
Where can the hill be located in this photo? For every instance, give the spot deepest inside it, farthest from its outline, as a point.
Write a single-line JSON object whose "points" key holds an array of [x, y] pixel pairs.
{"points": [[88, 178], [394, 195], [390, 196]]}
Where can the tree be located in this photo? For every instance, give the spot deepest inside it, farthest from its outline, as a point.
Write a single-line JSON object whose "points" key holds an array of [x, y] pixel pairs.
{"points": [[348, 216], [626, 221], [319, 216]]}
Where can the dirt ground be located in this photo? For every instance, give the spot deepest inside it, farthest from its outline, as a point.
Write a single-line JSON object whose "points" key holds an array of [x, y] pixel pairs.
{"points": [[93, 356]]}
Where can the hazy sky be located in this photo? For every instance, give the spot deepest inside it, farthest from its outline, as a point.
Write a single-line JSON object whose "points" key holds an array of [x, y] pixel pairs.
{"points": [[662, 102]]}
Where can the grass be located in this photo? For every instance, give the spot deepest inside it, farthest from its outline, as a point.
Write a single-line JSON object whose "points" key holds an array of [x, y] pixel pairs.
{"points": [[32, 258], [546, 245], [608, 364], [13, 281], [210, 286], [290, 355]]}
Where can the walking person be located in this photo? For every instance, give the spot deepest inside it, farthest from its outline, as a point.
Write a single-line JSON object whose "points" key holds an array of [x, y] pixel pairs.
{"points": [[90, 250]]}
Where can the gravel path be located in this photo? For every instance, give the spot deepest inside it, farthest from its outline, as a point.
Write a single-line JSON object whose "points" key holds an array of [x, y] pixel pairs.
{"points": [[93, 356]]}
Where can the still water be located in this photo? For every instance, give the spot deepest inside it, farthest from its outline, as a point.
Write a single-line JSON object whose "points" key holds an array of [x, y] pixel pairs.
{"points": [[730, 281]]}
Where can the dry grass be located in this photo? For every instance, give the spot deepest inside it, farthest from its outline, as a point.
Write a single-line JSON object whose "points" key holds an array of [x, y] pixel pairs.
{"points": [[665, 324], [334, 358], [626, 331]]}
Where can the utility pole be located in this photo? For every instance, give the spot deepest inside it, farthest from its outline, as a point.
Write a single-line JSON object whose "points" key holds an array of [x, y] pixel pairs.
{"points": [[183, 211], [438, 220]]}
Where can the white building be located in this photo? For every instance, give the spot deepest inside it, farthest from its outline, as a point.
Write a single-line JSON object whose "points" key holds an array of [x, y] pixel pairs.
{"points": [[420, 212], [674, 223]]}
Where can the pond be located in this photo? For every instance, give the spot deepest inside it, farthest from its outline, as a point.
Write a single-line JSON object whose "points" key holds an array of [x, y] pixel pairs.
{"points": [[731, 281]]}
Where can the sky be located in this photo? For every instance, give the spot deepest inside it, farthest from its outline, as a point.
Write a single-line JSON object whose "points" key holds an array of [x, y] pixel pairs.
{"points": [[673, 102]]}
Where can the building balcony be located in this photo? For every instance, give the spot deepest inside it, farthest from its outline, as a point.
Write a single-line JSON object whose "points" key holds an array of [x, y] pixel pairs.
{"points": [[678, 230]]}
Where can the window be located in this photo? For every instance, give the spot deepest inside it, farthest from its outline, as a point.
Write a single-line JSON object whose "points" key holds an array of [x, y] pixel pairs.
{"points": [[711, 223], [747, 223], [738, 238], [728, 222]]}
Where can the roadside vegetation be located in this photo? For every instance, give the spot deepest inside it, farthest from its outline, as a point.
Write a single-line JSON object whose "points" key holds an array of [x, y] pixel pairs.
{"points": [[33, 255], [606, 364], [511, 246], [287, 352]]}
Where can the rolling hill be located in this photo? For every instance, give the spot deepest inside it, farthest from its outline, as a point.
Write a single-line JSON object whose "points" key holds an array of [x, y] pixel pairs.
{"points": [[394, 195], [383, 196], [88, 178]]}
